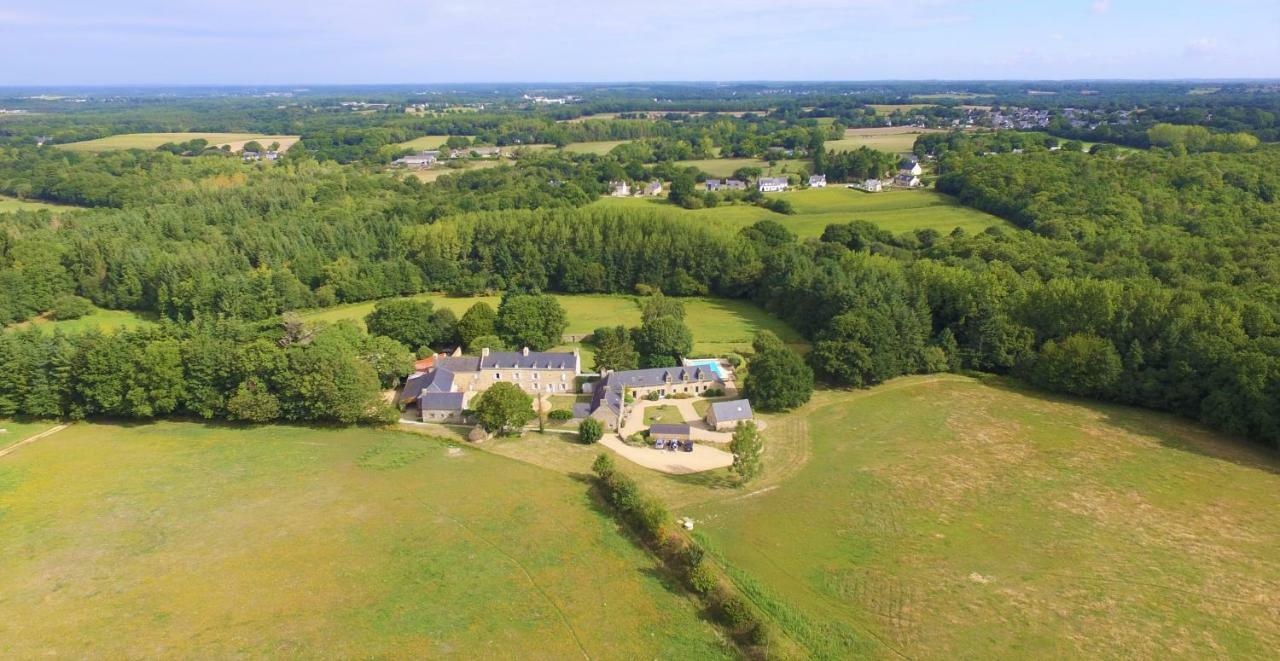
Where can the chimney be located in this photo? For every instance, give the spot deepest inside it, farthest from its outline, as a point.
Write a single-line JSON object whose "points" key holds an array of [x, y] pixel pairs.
{"points": [[484, 353], [525, 351]]}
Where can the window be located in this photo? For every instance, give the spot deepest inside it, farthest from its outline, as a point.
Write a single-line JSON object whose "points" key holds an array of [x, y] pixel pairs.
{"points": [[563, 376], [498, 376]]}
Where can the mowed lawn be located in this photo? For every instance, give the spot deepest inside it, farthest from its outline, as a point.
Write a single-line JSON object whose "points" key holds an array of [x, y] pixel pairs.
{"points": [[190, 540], [425, 142], [719, 325], [153, 140], [944, 517], [895, 211], [895, 140]]}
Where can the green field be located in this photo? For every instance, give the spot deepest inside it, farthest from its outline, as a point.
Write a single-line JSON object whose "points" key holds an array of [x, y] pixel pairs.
{"points": [[895, 211], [13, 431], [719, 325], [100, 319], [943, 517], [8, 204], [724, 167], [425, 142], [189, 540], [153, 140], [892, 140], [600, 148]]}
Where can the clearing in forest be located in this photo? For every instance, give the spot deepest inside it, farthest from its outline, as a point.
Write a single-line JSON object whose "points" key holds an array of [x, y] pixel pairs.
{"points": [[153, 140]]}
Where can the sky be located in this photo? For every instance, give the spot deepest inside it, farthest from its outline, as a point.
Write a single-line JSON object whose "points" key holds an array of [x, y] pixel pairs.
{"points": [[261, 42]]}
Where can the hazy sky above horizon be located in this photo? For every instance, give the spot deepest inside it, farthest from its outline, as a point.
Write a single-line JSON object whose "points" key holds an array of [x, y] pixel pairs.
{"points": [[429, 41]]}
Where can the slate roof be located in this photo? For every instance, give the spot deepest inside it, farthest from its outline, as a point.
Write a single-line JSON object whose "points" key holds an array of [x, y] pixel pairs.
{"points": [[663, 429], [458, 363], [555, 360], [608, 392], [413, 386], [441, 401], [738, 409], [773, 181]]}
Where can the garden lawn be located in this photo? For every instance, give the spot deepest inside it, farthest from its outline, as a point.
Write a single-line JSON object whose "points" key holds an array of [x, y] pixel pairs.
{"points": [[191, 540], [8, 204], [944, 517]]}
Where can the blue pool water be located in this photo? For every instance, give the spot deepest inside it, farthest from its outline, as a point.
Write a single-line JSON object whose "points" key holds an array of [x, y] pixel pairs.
{"points": [[708, 362]]}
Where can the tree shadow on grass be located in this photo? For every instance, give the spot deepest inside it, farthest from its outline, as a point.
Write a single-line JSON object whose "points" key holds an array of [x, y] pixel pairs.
{"points": [[1169, 430]]}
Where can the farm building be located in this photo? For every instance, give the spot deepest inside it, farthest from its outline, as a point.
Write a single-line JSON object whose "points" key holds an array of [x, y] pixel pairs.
{"points": [[910, 166], [724, 416], [818, 181], [872, 186], [907, 180], [772, 184], [669, 432], [607, 394], [654, 188], [619, 189], [727, 184], [421, 160]]}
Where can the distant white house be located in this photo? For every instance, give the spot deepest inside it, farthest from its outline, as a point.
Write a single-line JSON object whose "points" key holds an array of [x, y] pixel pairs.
{"points": [[907, 180], [818, 181], [910, 166], [772, 184], [619, 189], [479, 152], [654, 188], [873, 186]]}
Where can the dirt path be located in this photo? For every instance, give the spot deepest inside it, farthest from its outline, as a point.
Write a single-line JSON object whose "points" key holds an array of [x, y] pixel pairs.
{"points": [[32, 439], [703, 458]]}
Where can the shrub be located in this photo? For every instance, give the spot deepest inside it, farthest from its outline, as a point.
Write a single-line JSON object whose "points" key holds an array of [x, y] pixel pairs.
{"points": [[735, 611], [713, 392], [561, 415], [734, 359], [70, 307], [590, 431], [702, 579], [637, 438], [681, 395], [603, 465], [653, 396]]}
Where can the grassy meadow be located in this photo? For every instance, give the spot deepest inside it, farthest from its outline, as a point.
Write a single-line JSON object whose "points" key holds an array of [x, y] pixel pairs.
{"points": [[945, 517], [895, 140], [425, 142], [430, 175], [725, 167], [100, 320], [153, 140], [895, 211], [719, 325], [600, 148], [14, 431], [185, 540], [8, 204]]}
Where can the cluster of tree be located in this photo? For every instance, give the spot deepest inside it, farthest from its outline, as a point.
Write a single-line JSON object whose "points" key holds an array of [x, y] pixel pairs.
{"points": [[218, 369], [660, 341], [777, 377], [1199, 138], [858, 165]]}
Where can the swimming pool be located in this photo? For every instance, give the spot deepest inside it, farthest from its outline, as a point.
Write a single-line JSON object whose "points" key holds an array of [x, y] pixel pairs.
{"points": [[713, 363]]}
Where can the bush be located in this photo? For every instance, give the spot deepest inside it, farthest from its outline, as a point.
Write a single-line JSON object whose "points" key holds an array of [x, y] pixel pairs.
{"points": [[734, 359], [637, 438], [603, 465], [70, 307], [590, 431], [702, 579], [713, 392], [653, 396], [560, 415], [681, 395], [735, 611]]}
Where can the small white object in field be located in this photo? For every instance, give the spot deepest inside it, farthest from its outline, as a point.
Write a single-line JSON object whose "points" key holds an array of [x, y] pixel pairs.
{"points": [[687, 523]]}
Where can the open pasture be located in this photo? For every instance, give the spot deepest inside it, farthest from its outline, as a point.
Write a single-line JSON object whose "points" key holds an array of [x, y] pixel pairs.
{"points": [[191, 540], [153, 140], [8, 204], [891, 139], [99, 319], [725, 167], [599, 148], [945, 517], [425, 142], [719, 325], [895, 211]]}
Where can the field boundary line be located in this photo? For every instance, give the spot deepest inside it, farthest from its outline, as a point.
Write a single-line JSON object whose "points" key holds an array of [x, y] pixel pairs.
{"points": [[529, 577], [34, 438]]}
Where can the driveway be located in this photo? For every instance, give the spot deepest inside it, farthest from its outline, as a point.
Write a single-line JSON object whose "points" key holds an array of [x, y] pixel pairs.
{"points": [[703, 458]]}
